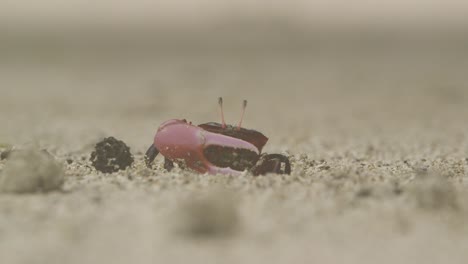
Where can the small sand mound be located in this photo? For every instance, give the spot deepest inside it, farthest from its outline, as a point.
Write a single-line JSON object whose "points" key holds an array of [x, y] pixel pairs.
{"points": [[31, 170], [434, 192], [209, 215]]}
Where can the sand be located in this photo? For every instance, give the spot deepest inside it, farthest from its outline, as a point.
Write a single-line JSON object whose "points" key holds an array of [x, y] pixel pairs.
{"points": [[378, 143]]}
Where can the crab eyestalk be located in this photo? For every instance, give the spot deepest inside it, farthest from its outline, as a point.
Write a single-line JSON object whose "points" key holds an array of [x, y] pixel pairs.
{"points": [[244, 105], [220, 103]]}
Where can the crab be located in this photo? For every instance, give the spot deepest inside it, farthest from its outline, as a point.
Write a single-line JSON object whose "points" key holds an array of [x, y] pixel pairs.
{"points": [[215, 148]]}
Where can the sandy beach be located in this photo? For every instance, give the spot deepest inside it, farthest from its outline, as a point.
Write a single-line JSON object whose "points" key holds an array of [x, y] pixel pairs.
{"points": [[378, 141]]}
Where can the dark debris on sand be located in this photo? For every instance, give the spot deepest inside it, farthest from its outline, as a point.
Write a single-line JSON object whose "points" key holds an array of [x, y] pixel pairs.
{"points": [[111, 155]]}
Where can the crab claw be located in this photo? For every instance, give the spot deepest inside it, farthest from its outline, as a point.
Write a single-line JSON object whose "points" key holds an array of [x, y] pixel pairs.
{"points": [[272, 163], [212, 139], [212, 169]]}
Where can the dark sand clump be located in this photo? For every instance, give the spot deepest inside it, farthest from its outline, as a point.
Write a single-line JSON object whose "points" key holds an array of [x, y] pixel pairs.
{"points": [[111, 155]]}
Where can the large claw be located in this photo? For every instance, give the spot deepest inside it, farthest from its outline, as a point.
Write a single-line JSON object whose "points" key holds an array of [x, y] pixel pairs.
{"points": [[228, 171]]}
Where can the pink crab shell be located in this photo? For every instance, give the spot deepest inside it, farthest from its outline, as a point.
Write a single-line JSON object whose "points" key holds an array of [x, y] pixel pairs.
{"points": [[178, 140]]}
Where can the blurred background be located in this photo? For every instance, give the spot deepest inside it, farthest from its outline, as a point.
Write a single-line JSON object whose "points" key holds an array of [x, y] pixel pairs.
{"points": [[74, 70], [369, 99]]}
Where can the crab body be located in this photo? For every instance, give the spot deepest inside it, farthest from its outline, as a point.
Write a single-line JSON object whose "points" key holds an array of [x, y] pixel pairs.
{"points": [[214, 148]]}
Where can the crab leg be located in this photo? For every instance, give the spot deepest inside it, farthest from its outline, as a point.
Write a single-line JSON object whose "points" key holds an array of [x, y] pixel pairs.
{"points": [[150, 155], [168, 164], [271, 163]]}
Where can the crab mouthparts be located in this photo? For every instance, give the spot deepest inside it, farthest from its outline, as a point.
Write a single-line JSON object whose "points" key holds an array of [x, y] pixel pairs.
{"points": [[238, 159]]}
